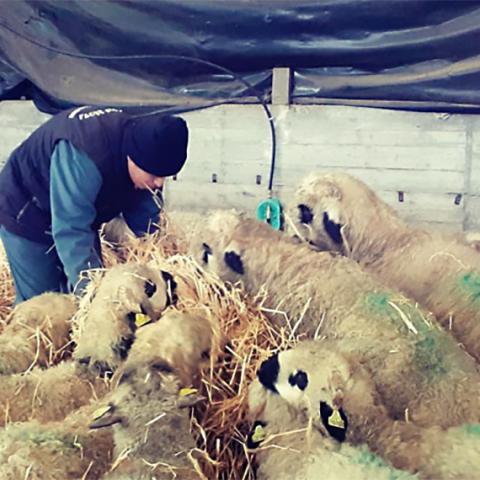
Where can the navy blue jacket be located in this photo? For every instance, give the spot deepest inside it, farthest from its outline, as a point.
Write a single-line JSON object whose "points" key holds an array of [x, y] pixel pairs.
{"points": [[66, 179], [25, 180]]}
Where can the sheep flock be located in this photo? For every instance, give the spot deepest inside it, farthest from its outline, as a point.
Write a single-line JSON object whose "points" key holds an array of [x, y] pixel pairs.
{"points": [[345, 346]]}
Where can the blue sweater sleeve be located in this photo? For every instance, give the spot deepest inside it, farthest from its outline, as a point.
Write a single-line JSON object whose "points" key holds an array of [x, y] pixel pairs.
{"points": [[143, 213], [74, 185]]}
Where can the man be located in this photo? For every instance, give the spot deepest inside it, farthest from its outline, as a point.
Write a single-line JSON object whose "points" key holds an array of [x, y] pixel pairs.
{"points": [[81, 168]]}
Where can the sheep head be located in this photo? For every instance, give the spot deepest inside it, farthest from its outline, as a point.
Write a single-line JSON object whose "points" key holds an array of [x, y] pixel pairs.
{"points": [[128, 296], [182, 340], [335, 211], [227, 240], [147, 410], [312, 379]]}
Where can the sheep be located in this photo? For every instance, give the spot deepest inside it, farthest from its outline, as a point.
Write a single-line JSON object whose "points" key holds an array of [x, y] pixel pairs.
{"points": [[417, 368], [37, 332], [440, 271], [151, 425], [148, 409], [51, 394], [179, 339], [65, 450], [48, 395], [315, 378], [290, 449], [69, 450], [128, 294]]}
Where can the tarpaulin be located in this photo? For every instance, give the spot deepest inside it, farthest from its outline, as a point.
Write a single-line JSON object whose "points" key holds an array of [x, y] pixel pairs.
{"points": [[406, 53]]}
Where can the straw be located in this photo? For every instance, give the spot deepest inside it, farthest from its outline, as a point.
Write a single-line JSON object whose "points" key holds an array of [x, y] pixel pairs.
{"points": [[244, 338]]}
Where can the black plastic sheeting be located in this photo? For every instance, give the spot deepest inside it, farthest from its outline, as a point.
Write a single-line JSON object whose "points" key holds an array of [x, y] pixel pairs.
{"points": [[411, 54]]}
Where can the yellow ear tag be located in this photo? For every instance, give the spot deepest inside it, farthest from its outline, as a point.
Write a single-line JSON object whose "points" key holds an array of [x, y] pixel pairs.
{"points": [[100, 412], [141, 319], [258, 434], [187, 391], [335, 420]]}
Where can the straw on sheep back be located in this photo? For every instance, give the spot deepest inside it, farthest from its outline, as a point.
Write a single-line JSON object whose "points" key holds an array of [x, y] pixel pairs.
{"points": [[315, 378], [149, 413], [290, 448], [36, 333], [414, 364], [48, 395], [66, 450], [105, 336], [440, 271], [151, 425]]}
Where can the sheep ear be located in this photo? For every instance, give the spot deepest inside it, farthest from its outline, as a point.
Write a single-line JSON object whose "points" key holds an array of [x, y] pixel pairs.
{"points": [[106, 418], [233, 260], [268, 373], [190, 400], [305, 214], [333, 229], [335, 421]]}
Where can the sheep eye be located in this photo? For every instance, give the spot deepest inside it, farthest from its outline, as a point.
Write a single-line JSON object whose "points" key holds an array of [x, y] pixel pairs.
{"points": [[150, 288], [305, 214], [207, 250], [299, 379], [206, 355]]}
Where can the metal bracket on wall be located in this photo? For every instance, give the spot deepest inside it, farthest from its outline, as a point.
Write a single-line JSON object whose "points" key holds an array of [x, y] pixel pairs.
{"points": [[281, 86]]}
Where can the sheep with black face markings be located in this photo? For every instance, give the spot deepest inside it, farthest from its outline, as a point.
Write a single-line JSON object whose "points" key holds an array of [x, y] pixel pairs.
{"points": [[440, 271], [68, 449], [37, 332], [48, 395], [416, 367], [315, 378], [290, 448], [127, 296]]}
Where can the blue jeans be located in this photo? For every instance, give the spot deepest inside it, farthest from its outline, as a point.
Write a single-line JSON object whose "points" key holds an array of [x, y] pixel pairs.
{"points": [[35, 267]]}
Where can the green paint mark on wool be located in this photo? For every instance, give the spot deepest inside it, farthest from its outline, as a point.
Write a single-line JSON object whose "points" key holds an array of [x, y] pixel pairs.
{"points": [[472, 429], [429, 356], [429, 342], [401, 312], [470, 283], [378, 301], [59, 441], [366, 457]]}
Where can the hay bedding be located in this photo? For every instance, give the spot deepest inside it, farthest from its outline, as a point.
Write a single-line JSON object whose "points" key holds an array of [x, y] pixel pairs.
{"points": [[245, 339]]}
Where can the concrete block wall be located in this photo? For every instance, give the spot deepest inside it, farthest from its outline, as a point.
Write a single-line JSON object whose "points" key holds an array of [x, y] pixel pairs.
{"points": [[429, 161]]}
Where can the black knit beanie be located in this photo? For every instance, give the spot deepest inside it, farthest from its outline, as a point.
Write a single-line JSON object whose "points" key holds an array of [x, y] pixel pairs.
{"points": [[157, 144]]}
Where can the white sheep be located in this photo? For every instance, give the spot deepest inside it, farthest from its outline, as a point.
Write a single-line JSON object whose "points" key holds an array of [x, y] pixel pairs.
{"points": [[316, 379], [440, 271], [289, 448], [148, 380], [128, 295], [148, 409], [65, 450], [48, 395], [417, 368], [37, 332], [151, 425]]}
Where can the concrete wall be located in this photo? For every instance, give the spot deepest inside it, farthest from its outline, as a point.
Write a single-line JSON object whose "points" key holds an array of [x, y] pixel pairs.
{"points": [[433, 159]]}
